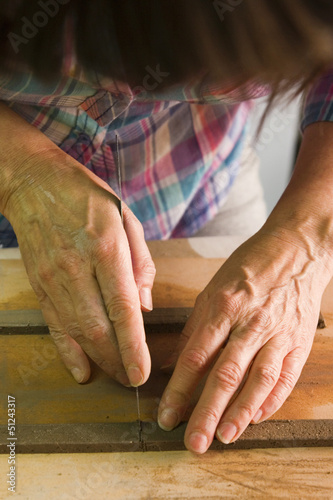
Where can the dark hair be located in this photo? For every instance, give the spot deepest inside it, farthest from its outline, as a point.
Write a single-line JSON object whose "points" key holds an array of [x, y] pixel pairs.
{"points": [[284, 43]]}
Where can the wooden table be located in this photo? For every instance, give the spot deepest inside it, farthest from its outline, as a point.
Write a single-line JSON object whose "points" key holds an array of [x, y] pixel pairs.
{"points": [[33, 371]]}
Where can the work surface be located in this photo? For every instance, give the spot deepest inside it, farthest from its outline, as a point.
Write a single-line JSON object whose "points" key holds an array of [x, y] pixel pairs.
{"points": [[56, 414]]}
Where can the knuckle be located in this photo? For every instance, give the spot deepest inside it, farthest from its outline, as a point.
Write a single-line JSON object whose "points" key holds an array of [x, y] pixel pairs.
{"points": [[60, 340], [288, 380], [246, 409], [75, 332], [226, 304], [177, 398], [68, 262], [260, 322], [267, 375], [147, 267], [276, 400], [228, 375], [104, 248], [94, 330], [301, 353], [209, 414], [45, 271], [58, 335], [130, 346], [194, 360], [120, 309]]}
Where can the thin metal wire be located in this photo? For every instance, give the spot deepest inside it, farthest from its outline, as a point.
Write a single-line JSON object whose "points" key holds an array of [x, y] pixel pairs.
{"points": [[138, 404], [122, 220], [119, 178]]}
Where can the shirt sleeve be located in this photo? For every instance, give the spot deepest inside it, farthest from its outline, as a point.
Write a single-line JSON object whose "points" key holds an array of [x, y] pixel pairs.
{"points": [[318, 105]]}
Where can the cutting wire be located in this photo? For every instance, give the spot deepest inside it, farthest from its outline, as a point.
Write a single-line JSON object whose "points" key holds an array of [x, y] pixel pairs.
{"points": [[122, 220]]}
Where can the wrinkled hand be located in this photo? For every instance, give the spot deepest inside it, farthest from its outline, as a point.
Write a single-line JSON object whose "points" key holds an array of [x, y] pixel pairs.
{"points": [[254, 325], [89, 272]]}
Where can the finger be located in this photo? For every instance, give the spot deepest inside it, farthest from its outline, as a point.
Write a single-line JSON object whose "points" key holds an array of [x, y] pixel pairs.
{"points": [[194, 361], [263, 376], [194, 323], [220, 387], [113, 268], [143, 266], [70, 352], [291, 370], [93, 329], [76, 297], [222, 383]]}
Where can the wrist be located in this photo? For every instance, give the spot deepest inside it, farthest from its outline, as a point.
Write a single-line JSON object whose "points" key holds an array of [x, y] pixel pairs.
{"points": [[24, 170], [311, 233], [21, 145], [304, 214]]}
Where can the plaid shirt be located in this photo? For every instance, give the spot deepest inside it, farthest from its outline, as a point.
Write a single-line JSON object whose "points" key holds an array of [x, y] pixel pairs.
{"points": [[179, 149]]}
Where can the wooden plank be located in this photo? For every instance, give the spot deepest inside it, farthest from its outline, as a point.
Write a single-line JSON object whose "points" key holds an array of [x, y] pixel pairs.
{"points": [[127, 437], [176, 285], [298, 473], [47, 395], [31, 321]]}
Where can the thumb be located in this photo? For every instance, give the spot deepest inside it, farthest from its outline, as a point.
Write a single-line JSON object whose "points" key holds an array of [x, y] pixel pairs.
{"points": [[143, 266]]}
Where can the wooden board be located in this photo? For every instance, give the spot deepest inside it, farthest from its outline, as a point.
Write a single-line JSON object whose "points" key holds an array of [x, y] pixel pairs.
{"points": [[104, 413], [297, 474], [49, 402], [176, 284]]}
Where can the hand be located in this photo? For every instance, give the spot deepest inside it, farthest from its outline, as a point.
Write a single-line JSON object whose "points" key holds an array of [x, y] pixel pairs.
{"points": [[253, 326], [89, 273]]}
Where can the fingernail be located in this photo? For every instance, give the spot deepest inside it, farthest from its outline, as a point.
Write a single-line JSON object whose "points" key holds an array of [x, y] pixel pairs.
{"points": [[146, 299], [123, 378], [135, 376], [78, 375], [226, 433], [198, 442], [168, 419], [257, 417]]}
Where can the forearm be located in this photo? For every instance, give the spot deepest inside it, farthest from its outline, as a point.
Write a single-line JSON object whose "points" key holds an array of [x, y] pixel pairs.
{"points": [[306, 207], [20, 142]]}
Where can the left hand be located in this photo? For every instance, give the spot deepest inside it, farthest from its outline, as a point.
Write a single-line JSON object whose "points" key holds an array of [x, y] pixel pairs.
{"points": [[254, 324]]}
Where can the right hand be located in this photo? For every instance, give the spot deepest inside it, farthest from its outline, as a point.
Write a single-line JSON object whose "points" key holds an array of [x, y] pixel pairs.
{"points": [[91, 274]]}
